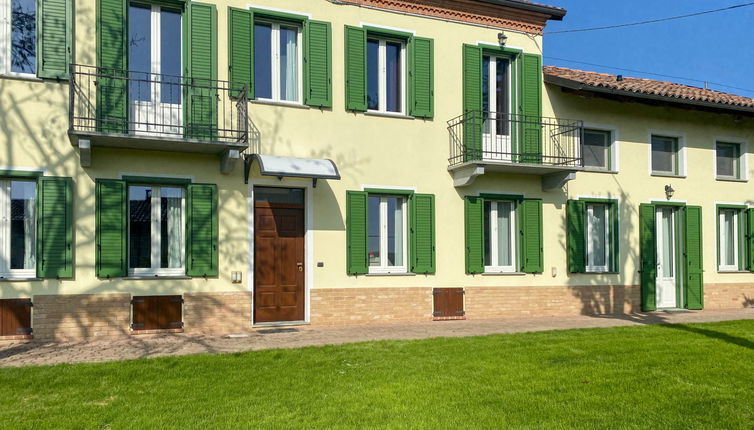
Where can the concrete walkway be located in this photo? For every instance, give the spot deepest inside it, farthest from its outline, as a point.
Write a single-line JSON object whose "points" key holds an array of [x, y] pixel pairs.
{"points": [[42, 353]]}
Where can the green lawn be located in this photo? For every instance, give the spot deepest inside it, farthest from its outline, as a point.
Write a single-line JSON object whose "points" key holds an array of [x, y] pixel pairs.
{"points": [[680, 376]]}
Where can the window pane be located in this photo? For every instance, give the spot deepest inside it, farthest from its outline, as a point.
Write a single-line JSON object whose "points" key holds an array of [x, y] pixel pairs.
{"points": [[22, 225], [504, 254], [486, 92], [595, 148], [728, 232], [23, 36], [664, 154], [394, 231], [139, 226], [727, 160], [667, 243], [288, 63], [487, 234], [394, 79], [139, 52], [170, 55], [263, 61], [501, 91], [279, 195], [373, 242], [373, 74], [171, 227], [598, 235]]}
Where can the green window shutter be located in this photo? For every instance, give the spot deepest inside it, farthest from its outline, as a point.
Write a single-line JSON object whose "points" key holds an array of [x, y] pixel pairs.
{"points": [[750, 239], [531, 108], [694, 250], [648, 255], [422, 214], [201, 230], [472, 102], [474, 217], [112, 60], [111, 228], [318, 64], [531, 236], [54, 38], [576, 236], [356, 68], [356, 232], [421, 77], [55, 228], [200, 41], [240, 49]]}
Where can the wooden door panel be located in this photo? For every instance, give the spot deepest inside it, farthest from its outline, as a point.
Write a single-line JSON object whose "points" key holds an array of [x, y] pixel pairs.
{"points": [[448, 303], [157, 312], [15, 317]]}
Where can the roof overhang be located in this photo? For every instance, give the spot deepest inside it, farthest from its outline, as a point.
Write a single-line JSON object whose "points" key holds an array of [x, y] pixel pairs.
{"points": [[555, 13], [580, 86], [291, 167]]}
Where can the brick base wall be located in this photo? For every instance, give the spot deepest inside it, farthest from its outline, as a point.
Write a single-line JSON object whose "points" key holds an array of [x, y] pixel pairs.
{"points": [[330, 306], [217, 313], [80, 316], [728, 296]]}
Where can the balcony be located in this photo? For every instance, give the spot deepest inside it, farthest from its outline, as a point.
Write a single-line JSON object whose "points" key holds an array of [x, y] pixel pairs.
{"points": [[487, 142], [137, 110]]}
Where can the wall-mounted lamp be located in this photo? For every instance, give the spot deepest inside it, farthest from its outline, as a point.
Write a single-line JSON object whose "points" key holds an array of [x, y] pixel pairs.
{"points": [[669, 191], [502, 38]]}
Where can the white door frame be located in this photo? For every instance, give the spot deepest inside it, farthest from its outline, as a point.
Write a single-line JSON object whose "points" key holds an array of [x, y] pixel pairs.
{"points": [[497, 147], [308, 188], [661, 282]]}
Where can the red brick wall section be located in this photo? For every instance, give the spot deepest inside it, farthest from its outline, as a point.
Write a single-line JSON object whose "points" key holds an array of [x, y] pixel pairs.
{"points": [[80, 316], [728, 296], [217, 313], [330, 306]]}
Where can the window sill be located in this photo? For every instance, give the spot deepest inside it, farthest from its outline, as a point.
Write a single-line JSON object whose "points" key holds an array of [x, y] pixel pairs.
{"points": [[154, 277], [598, 170], [388, 114], [21, 77], [504, 273], [732, 271], [724, 179], [295, 105], [595, 272], [391, 274], [668, 175], [19, 279]]}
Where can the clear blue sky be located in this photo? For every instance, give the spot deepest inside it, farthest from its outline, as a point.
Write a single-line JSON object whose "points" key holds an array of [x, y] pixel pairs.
{"points": [[716, 47]]}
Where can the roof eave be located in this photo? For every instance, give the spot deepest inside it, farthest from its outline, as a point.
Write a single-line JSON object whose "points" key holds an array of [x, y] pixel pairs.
{"points": [[555, 13], [576, 85]]}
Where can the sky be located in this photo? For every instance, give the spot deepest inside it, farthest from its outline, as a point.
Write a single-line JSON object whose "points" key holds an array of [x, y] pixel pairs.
{"points": [[717, 48]]}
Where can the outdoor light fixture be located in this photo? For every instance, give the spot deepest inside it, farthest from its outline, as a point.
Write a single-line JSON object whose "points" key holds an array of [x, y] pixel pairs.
{"points": [[502, 38], [669, 191]]}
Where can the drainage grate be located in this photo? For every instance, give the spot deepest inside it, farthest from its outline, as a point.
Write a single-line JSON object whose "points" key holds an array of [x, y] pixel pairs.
{"points": [[277, 330]]}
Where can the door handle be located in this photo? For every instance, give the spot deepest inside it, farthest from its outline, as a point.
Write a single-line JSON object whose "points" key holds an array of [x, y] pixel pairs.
{"points": [[300, 267]]}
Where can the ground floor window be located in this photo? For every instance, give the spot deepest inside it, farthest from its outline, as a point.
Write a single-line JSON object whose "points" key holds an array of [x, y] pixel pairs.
{"points": [[598, 237], [387, 234], [592, 235], [499, 236], [729, 239], [156, 230], [18, 233]]}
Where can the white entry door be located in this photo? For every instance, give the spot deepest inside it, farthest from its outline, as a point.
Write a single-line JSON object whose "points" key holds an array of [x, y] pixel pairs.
{"points": [[667, 270], [496, 104], [154, 64]]}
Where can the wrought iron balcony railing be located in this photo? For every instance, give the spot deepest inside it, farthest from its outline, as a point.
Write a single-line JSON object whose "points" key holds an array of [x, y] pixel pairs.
{"points": [[481, 136], [111, 102]]}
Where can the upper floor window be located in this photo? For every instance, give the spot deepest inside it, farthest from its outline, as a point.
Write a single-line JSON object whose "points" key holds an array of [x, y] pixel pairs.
{"points": [[156, 239], [729, 160], [386, 87], [666, 157], [18, 40], [277, 61], [387, 245], [597, 149], [499, 236]]}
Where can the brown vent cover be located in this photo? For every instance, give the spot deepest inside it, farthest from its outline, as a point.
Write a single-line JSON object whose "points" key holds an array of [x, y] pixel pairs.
{"points": [[448, 304], [157, 312]]}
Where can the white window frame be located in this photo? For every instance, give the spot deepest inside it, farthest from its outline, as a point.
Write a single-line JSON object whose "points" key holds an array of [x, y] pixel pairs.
{"points": [[155, 269], [743, 166], [736, 240], [384, 267], [382, 80], [492, 237], [5, 252], [608, 148], [680, 153], [590, 234], [275, 61], [6, 29]]}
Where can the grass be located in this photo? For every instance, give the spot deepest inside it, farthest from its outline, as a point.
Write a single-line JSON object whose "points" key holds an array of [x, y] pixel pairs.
{"points": [[677, 376]]}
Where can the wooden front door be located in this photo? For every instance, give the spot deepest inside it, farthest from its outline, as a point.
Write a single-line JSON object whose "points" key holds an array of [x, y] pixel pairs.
{"points": [[278, 262]]}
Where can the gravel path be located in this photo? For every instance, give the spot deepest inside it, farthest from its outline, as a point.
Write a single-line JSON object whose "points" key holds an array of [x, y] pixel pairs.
{"points": [[143, 346]]}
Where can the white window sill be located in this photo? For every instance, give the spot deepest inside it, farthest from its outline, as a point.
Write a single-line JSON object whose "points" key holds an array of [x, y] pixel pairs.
{"points": [[388, 114], [668, 175], [721, 270], [19, 279], [725, 179], [132, 277], [601, 272], [280, 103], [391, 274], [490, 273], [599, 170], [21, 77]]}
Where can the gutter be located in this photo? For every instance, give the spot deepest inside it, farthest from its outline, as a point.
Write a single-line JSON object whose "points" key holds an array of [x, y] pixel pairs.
{"points": [[555, 13], [575, 85]]}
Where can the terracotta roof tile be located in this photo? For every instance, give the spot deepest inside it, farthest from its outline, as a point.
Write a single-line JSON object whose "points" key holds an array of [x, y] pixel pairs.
{"points": [[678, 92]]}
